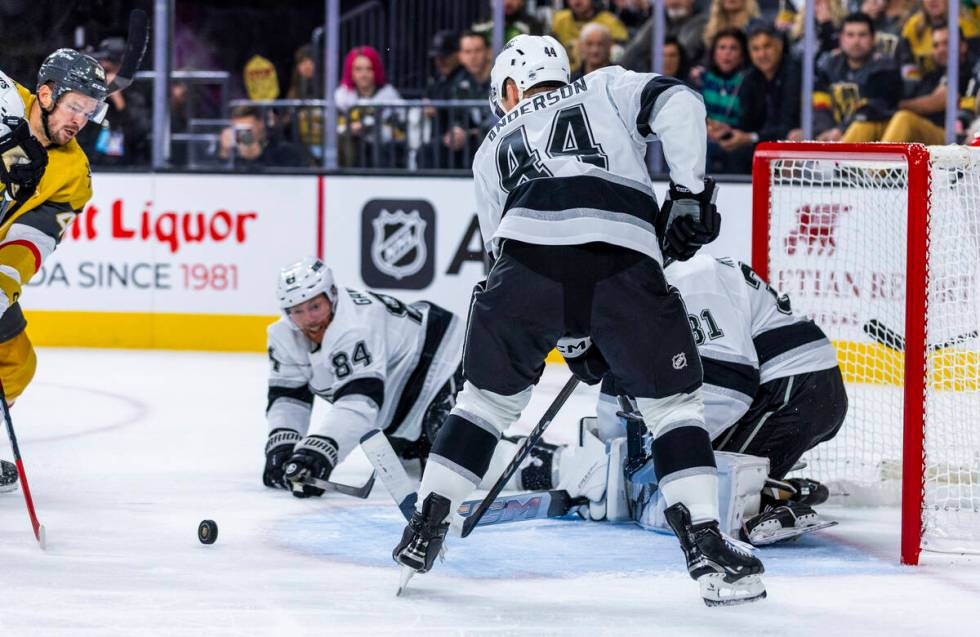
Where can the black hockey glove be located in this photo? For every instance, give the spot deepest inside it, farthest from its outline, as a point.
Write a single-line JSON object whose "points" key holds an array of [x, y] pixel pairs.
{"points": [[315, 457], [688, 221], [278, 448], [22, 160], [584, 359]]}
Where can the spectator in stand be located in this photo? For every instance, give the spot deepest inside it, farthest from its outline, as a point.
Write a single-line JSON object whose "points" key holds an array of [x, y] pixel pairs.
{"points": [[721, 88], [370, 137], [728, 14], [567, 24], [467, 126], [889, 17], [632, 13], [123, 139], [676, 62], [770, 98], [308, 124], [683, 22], [444, 56], [446, 69], [517, 21], [594, 48], [915, 48], [249, 146], [856, 89], [922, 115], [829, 15]]}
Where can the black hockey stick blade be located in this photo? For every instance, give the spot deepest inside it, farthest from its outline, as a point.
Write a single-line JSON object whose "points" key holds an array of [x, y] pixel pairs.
{"points": [[880, 333], [532, 439], [536, 505], [136, 41], [361, 492], [883, 335]]}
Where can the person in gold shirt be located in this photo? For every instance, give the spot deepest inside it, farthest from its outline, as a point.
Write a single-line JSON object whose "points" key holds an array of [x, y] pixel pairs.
{"points": [[567, 26], [71, 91]]}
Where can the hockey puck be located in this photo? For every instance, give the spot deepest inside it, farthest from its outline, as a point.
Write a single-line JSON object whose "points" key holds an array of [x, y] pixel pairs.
{"points": [[207, 531]]}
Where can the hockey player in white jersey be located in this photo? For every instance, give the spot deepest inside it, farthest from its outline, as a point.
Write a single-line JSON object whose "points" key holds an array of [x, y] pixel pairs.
{"points": [[568, 211], [383, 364], [22, 157], [772, 386]]}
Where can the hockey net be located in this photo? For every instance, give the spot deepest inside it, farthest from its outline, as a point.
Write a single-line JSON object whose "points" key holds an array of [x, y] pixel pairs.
{"points": [[880, 245]]}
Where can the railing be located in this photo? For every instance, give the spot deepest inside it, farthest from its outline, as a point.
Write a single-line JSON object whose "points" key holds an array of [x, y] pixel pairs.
{"points": [[403, 135]]}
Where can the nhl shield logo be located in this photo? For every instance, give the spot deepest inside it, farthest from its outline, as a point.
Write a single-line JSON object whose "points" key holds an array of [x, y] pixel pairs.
{"points": [[397, 243], [398, 248]]}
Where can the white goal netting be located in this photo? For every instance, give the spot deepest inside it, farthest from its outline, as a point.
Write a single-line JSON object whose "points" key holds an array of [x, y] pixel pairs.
{"points": [[838, 246]]}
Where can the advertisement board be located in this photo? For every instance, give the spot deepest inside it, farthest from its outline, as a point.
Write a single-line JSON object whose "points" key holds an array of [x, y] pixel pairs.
{"points": [[190, 261], [180, 261]]}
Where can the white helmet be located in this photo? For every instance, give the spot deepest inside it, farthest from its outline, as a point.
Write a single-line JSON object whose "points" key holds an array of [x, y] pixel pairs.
{"points": [[528, 60], [303, 280]]}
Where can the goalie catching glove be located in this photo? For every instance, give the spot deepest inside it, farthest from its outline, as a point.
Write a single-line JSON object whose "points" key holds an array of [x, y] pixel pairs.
{"points": [[314, 457], [688, 221]]}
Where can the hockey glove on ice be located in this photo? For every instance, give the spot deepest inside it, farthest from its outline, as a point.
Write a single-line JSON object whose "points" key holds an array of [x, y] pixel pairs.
{"points": [[688, 221], [278, 448], [315, 457]]}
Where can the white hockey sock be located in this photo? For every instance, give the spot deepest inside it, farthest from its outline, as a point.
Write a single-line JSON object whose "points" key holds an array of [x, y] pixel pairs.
{"points": [[698, 492], [445, 482]]}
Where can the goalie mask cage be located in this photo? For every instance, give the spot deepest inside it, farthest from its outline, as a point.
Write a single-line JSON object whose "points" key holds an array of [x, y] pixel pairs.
{"points": [[880, 245]]}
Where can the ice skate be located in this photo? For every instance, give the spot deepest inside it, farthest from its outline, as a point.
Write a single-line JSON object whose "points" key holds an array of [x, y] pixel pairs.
{"points": [[726, 570], [781, 523], [422, 539], [8, 477]]}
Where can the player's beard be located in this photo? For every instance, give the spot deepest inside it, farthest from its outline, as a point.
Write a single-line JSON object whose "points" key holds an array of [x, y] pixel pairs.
{"points": [[63, 135], [316, 331]]}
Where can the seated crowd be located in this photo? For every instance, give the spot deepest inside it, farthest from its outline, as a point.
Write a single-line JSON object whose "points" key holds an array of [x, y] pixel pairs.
{"points": [[879, 76]]}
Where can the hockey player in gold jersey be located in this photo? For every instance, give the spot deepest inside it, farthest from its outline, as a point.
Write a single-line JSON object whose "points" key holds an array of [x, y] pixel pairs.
{"points": [[71, 90]]}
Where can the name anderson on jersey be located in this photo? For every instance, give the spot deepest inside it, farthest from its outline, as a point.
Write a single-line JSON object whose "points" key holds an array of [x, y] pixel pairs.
{"points": [[537, 103]]}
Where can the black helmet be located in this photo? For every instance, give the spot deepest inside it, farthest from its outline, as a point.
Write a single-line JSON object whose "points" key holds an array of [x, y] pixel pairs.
{"points": [[69, 70]]}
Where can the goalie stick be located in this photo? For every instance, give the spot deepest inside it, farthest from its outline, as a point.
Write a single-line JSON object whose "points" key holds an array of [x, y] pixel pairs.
{"points": [[883, 335], [38, 527], [403, 490], [532, 439], [361, 492], [533, 505]]}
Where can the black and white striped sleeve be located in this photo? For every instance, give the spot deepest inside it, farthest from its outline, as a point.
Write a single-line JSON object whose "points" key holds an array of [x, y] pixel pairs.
{"points": [[661, 107]]}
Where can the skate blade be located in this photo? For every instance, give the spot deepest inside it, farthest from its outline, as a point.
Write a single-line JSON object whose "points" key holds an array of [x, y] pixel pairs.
{"points": [[717, 592], [404, 577], [8, 488]]}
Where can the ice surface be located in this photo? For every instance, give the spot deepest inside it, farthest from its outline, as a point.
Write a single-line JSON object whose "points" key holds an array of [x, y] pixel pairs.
{"points": [[128, 451]]}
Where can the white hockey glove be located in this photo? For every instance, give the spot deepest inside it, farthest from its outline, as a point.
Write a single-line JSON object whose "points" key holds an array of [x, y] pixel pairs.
{"points": [[688, 221]]}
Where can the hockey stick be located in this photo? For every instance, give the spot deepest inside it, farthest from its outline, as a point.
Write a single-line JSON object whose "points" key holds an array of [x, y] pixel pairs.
{"points": [[882, 334], [535, 505], [136, 41], [361, 492], [38, 527], [532, 439]]}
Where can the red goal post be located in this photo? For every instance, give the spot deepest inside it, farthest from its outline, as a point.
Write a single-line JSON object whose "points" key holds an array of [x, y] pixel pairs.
{"points": [[846, 228]]}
